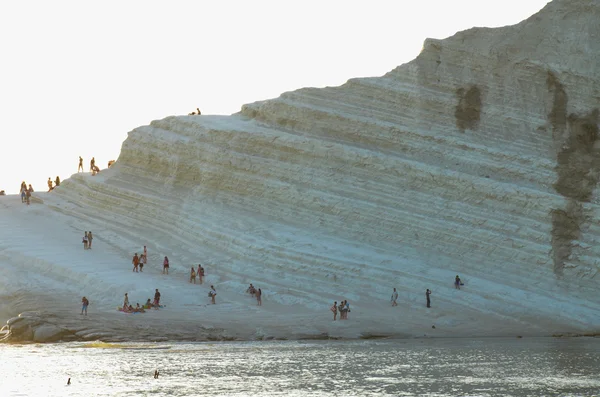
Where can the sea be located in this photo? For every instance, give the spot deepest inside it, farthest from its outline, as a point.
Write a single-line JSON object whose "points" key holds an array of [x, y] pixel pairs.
{"points": [[411, 367]]}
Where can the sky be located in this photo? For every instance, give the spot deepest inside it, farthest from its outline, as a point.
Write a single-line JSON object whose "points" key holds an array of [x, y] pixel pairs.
{"points": [[77, 76]]}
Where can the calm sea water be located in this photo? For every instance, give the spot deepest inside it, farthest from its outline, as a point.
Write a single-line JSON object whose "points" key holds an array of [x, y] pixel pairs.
{"points": [[441, 367]]}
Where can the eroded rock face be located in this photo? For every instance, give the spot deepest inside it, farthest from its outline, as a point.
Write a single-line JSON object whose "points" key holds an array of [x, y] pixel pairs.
{"points": [[478, 157]]}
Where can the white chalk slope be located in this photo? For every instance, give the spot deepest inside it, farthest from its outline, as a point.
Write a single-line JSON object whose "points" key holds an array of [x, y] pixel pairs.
{"points": [[478, 158]]}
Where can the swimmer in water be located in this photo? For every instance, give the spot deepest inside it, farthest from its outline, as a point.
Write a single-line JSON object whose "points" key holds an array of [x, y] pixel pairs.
{"points": [[156, 374], [69, 381]]}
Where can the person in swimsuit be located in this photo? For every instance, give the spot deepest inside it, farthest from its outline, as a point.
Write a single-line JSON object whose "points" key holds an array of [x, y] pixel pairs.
{"points": [[136, 262], [259, 297], [193, 275], [156, 299], [213, 294], [166, 265], [125, 302], [80, 167], [394, 297], [90, 238], [334, 309], [85, 241]]}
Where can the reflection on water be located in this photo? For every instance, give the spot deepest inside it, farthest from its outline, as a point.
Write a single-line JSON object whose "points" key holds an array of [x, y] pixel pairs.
{"points": [[441, 367]]}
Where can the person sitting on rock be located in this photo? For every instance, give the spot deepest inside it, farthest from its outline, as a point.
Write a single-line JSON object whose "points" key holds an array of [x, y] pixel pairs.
{"points": [[57, 182]]}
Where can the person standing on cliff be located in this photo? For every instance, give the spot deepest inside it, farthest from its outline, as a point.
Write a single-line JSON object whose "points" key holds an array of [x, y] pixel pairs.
{"points": [[136, 262], [57, 181], [394, 297], [156, 299], [80, 167], [212, 294], [334, 309], [92, 164], [166, 265], [144, 257], [427, 293], [84, 305]]}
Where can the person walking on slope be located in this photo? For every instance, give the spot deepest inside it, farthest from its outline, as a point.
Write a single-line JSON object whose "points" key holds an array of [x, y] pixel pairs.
{"points": [[90, 238], [136, 262], [166, 265], [80, 167], [85, 241], [334, 309], [427, 293], [193, 275], [84, 305], [212, 294], [457, 282], [394, 297]]}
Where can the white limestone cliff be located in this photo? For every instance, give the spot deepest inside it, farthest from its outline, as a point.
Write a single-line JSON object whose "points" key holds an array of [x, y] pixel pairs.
{"points": [[479, 158]]}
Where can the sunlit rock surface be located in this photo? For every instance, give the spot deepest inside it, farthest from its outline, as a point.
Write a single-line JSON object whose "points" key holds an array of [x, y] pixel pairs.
{"points": [[479, 158]]}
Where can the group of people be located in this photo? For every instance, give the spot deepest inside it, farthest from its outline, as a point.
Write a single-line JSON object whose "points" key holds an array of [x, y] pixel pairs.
{"points": [[87, 240], [26, 192], [129, 308], [93, 167], [257, 293], [343, 308], [194, 273], [140, 261], [56, 183]]}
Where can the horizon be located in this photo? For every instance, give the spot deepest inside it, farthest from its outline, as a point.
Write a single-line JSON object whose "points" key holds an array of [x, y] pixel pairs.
{"points": [[80, 76]]}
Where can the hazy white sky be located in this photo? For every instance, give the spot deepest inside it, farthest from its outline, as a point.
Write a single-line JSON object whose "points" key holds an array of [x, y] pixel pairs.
{"points": [[76, 76]]}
